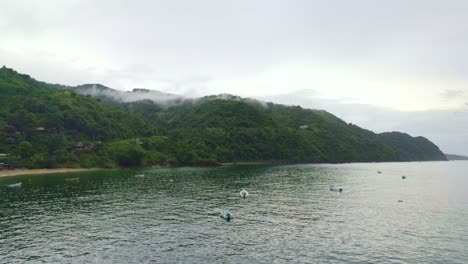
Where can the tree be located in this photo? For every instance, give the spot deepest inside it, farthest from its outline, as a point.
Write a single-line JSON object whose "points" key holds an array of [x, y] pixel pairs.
{"points": [[26, 150], [127, 153]]}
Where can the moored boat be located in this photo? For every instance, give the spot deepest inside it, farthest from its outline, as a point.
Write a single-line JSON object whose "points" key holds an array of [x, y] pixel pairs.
{"points": [[72, 179], [15, 185], [226, 215]]}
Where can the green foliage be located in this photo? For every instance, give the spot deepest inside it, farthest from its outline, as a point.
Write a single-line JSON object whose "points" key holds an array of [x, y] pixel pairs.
{"points": [[25, 150], [410, 148], [45, 125], [127, 153], [53, 120]]}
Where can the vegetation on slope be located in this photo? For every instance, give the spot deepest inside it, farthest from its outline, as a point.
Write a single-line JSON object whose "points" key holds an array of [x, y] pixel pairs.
{"points": [[42, 126], [46, 125], [456, 157]]}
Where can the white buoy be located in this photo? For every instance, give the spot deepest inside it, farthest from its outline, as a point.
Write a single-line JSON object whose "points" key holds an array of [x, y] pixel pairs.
{"points": [[226, 215], [15, 185], [72, 179], [244, 193], [334, 189]]}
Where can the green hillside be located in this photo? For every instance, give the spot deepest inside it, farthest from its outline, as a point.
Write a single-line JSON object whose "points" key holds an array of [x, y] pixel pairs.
{"points": [[42, 125], [48, 125], [456, 157], [411, 148]]}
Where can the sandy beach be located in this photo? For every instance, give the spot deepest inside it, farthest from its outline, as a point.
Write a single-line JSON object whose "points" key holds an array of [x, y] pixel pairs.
{"points": [[7, 173]]}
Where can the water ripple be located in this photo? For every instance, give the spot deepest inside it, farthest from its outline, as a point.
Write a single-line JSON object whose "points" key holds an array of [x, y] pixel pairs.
{"points": [[172, 215]]}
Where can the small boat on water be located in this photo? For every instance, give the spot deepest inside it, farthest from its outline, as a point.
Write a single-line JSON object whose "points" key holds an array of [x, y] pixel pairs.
{"points": [[139, 175], [403, 177], [225, 214], [244, 193], [72, 179], [379, 172], [334, 189], [15, 185]]}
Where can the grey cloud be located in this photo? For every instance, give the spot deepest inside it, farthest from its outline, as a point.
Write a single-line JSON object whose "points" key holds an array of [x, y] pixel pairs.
{"points": [[247, 36], [163, 99], [453, 94]]}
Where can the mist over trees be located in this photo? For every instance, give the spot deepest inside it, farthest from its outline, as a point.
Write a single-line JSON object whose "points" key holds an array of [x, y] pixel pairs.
{"points": [[44, 126]]}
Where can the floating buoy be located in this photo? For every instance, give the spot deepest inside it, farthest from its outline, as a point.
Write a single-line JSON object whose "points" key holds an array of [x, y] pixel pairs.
{"points": [[334, 189], [72, 179], [226, 215], [244, 193], [15, 185]]}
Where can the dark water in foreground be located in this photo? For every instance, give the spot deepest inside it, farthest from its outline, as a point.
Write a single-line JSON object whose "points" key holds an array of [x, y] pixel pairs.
{"points": [[172, 215]]}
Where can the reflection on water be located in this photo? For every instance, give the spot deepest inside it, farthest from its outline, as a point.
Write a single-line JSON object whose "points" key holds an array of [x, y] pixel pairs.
{"points": [[172, 215]]}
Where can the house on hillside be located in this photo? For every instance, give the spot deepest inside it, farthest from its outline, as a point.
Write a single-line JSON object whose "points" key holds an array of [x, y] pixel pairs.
{"points": [[80, 146], [10, 130], [11, 133], [4, 166], [54, 131], [50, 131]]}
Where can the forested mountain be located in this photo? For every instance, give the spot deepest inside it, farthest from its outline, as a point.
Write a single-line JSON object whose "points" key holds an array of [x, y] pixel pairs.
{"points": [[45, 125], [456, 157], [411, 148], [42, 125]]}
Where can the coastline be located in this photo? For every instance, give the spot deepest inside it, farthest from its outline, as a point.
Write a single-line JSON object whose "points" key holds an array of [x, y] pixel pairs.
{"points": [[17, 172]]}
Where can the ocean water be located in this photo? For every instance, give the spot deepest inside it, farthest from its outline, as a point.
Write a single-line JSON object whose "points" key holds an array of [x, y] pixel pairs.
{"points": [[171, 215]]}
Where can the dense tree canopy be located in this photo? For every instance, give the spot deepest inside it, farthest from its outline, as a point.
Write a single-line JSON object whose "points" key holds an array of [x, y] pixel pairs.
{"points": [[45, 125]]}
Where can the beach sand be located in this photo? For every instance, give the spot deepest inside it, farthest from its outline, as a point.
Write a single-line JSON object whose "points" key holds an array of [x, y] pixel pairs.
{"points": [[7, 173]]}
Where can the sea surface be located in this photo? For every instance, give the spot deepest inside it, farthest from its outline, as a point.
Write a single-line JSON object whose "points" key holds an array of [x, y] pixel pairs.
{"points": [[171, 215]]}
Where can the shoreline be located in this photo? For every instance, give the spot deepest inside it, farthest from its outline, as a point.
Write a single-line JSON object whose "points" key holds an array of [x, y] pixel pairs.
{"points": [[18, 172]]}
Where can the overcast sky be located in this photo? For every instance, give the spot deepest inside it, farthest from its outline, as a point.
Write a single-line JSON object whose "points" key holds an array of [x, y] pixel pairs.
{"points": [[384, 65]]}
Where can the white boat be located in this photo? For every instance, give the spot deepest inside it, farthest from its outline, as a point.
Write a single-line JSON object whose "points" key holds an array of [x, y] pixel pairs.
{"points": [[140, 175], [72, 179], [244, 193], [226, 215], [334, 189], [15, 185]]}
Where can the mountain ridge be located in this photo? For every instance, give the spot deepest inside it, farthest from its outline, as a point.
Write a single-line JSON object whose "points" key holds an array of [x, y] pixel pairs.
{"points": [[148, 130], [456, 157]]}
